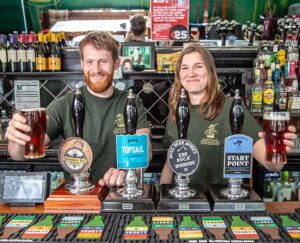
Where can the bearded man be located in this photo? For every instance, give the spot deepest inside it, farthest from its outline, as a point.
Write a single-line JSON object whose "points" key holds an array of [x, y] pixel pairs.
{"points": [[104, 105]]}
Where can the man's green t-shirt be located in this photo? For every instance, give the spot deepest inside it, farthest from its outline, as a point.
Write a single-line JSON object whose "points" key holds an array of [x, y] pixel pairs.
{"points": [[103, 121], [209, 136]]}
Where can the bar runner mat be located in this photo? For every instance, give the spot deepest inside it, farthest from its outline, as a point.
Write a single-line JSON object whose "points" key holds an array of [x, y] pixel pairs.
{"points": [[157, 227], [57, 227]]}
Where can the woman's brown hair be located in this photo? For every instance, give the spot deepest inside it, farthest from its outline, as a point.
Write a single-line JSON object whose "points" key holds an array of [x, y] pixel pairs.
{"points": [[212, 103], [100, 40]]}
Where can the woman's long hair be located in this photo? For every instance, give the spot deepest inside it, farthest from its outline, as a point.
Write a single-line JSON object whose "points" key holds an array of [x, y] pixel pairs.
{"points": [[211, 104]]}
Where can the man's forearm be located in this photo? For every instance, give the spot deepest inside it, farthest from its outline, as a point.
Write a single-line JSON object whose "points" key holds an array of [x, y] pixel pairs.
{"points": [[16, 151]]}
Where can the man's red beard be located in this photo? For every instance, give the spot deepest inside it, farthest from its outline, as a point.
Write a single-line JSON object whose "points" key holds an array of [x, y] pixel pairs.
{"points": [[101, 85]]}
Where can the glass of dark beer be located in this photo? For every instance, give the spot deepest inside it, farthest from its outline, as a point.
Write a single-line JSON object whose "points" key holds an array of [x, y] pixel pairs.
{"points": [[275, 124], [36, 119]]}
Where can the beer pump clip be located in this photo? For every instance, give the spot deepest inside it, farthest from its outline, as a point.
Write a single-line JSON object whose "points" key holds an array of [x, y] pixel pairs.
{"points": [[132, 152], [183, 156], [75, 155], [237, 154]]}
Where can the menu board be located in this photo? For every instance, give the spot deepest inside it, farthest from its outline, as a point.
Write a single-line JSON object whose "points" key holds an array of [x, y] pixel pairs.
{"points": [[169, 19]]}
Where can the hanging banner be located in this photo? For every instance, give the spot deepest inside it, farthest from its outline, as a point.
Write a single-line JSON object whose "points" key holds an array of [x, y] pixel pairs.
{"points": [[169, 19]]}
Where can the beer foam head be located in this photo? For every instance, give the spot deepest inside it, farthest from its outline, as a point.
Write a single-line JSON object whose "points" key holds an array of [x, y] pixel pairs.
{"points": [[33, 109], [277, 116]]}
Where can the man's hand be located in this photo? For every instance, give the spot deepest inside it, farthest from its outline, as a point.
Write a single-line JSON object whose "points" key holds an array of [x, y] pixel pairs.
{"points": [[16, 131], [113, 177]]}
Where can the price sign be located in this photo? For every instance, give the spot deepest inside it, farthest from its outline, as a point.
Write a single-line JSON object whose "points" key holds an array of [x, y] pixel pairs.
{"points": [[238, 156], [132, 151], [169, 19], [183, 157]]}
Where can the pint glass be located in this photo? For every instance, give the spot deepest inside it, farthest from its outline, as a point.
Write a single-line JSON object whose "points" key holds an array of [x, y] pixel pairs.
{"points": [[36, 119], [275, 124]]}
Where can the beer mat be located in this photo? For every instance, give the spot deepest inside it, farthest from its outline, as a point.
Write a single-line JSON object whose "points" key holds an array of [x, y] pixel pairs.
{"points": [[242, 230], [43, 222], [215, 225], [40, 229], [189, 229], [93, 229], [163, 226], [266, 225], [136, 229]]}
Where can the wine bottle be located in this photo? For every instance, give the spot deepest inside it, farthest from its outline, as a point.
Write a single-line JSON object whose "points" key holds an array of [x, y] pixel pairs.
{"points": [[30, 54], [12, 54], [21, 54], [3, 54]]}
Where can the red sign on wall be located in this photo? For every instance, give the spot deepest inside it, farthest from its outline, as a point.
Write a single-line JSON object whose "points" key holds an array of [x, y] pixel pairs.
{"points": [[169, 19]]}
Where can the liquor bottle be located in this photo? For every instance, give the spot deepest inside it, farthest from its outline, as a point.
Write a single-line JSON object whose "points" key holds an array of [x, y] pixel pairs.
{"points": [[41, 55], [12, 55], [268, 191], [276, 74], [30, 54], [276, 189], [274, 55], [292, 182], [257, 91], [78, 111], [21, 54], [267, 56], [291, 76], [3, 54], [281, 54], [130, 114], [263, 72], [268, 94], [182, 115], [282, 96], [54, 61], [236, 114]]}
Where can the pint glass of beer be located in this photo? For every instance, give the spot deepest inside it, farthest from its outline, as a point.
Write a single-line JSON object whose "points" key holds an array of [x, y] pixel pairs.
{"points": [[275, 124], [36, 119]]}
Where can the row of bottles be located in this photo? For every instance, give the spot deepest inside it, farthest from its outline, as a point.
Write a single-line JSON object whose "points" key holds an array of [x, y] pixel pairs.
{"points": [[284, 186], [30, 52], [276, 79]]}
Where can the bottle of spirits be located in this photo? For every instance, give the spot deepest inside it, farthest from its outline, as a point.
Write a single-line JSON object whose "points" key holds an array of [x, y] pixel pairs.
{"points": [[268, 94], [281, 54], [257, 92], [282, 96], [268, 191], [276, 74]]}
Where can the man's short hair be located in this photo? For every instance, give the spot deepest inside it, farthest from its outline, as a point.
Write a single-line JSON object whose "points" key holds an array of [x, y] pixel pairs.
{"points": [[138, 24], [100, 40]]}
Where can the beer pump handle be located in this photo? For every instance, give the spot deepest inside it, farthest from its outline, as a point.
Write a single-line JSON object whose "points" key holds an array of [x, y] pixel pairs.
{"points": [[236, 114], [130, 114], [182, 115], [78, 111]]}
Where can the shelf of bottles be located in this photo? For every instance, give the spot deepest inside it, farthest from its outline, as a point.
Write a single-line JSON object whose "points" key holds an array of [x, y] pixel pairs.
{"points": [[276, 72], [22, 52]]}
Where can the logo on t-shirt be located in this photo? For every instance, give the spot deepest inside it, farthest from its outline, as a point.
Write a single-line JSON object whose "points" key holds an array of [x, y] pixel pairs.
{"points": [[210, 134], [119, 124]]}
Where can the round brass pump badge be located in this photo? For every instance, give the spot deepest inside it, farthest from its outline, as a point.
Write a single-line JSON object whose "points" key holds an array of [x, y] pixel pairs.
{"points": [[75, 155]]}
